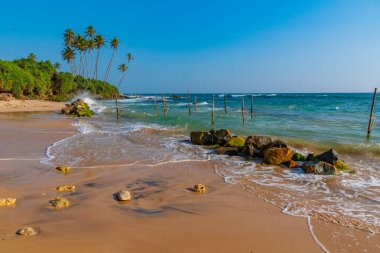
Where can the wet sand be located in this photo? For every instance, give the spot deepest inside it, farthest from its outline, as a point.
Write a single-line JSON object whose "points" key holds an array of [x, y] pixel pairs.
{"points": [[163, 216]]}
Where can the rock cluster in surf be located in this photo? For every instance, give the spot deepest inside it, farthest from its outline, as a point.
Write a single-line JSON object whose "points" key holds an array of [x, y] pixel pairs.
{"points": [[78, 108], [270, 152]]}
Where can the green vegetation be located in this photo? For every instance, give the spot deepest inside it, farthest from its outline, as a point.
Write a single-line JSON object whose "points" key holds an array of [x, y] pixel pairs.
{"points": [[298, 157], [29, 78]]}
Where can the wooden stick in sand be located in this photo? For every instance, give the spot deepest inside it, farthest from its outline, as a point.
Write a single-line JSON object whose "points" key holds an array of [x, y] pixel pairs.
{"points": [[188, 102], [212, 112], [165, 109], [117, 106], [155, 104], [225, 104], [242, 109], [251, 106], [370, 123]]}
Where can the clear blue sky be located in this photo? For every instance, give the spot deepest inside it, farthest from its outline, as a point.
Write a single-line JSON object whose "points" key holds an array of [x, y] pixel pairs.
{"points": [[213, 46]]}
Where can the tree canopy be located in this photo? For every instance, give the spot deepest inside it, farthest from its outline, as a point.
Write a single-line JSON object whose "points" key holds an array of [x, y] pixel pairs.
{"points": [[29, 78]]}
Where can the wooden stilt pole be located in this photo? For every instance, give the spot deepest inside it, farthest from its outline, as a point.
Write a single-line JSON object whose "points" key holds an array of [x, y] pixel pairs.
{"points": [[155, 104], [212, 113], [165, 109], [188, 102], [117, 107], [251, 106], [225, 104], [370, 123], [242, 109], [195, 104]]}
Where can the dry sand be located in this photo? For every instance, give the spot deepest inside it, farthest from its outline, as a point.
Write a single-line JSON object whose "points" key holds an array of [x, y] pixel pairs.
{"points": [[30, 106], [163, 216]]}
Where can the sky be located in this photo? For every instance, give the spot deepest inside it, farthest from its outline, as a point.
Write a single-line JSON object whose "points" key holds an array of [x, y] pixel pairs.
{"points": [[212, 46]]}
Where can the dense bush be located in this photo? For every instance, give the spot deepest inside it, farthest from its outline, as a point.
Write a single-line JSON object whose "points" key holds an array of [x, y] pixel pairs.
{"points": [[28, 78]]}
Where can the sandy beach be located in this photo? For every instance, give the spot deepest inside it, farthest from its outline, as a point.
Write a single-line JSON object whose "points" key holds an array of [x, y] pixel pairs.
{"points": [[29, 106], [163, 215]]}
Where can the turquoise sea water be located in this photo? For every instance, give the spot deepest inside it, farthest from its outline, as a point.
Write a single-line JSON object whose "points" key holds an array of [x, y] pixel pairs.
{"points": [[307, 122], [332, 119]]}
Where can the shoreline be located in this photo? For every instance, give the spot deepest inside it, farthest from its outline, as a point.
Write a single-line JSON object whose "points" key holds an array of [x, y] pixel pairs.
{"points": [[226, 219], [197, 213]]}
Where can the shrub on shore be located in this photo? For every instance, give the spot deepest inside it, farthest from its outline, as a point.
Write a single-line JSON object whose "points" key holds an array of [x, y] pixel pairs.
{"points": [[31, 79]]}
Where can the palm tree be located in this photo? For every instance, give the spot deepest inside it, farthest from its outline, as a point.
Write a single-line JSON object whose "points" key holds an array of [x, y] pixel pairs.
{"points": [[69, 55], [69, 37], [90, 31], [32, 57], [57, 65], [114, 44], [99, 42], [91, 46], [123, 69], [130, 57], [81, 45]]}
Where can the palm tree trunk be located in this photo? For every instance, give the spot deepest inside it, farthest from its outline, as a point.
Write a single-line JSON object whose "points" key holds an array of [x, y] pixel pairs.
{"points": [[96, 65], [90, 62], [121, 80], [109, 66]]}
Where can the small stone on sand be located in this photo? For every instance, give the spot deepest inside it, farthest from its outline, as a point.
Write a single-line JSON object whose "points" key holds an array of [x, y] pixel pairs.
{"points": [[26, 231], [123, 195], [8, 202], [66, 188], [199, 188], [60, 202], [63, 169]]}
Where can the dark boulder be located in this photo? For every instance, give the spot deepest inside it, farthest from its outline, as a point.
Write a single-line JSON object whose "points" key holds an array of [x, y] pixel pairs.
{"points": [[254, 144], [276, 156], [321, 168], [78, 108], [227, 151], [330, 156], [200, 137]]}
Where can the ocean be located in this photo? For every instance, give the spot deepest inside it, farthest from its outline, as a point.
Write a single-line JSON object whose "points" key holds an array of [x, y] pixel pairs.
{"points": [[307, 122]]}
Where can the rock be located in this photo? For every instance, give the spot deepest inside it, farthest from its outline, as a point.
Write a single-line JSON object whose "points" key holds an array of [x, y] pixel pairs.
{"points": [[236, 142], [342, 166], [310, 157], [226, 151], [276, 156], [200, 137], [78, 108], [176, 97], [6, 97], [8, 202], [28, 231], [298, 157], [291, 164], [123, 195], [60, 202], [66, 188], [63, 169], [199, 188], [254, 144], [330, 156], [321, 168], [274, 144], [221, 136]]}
